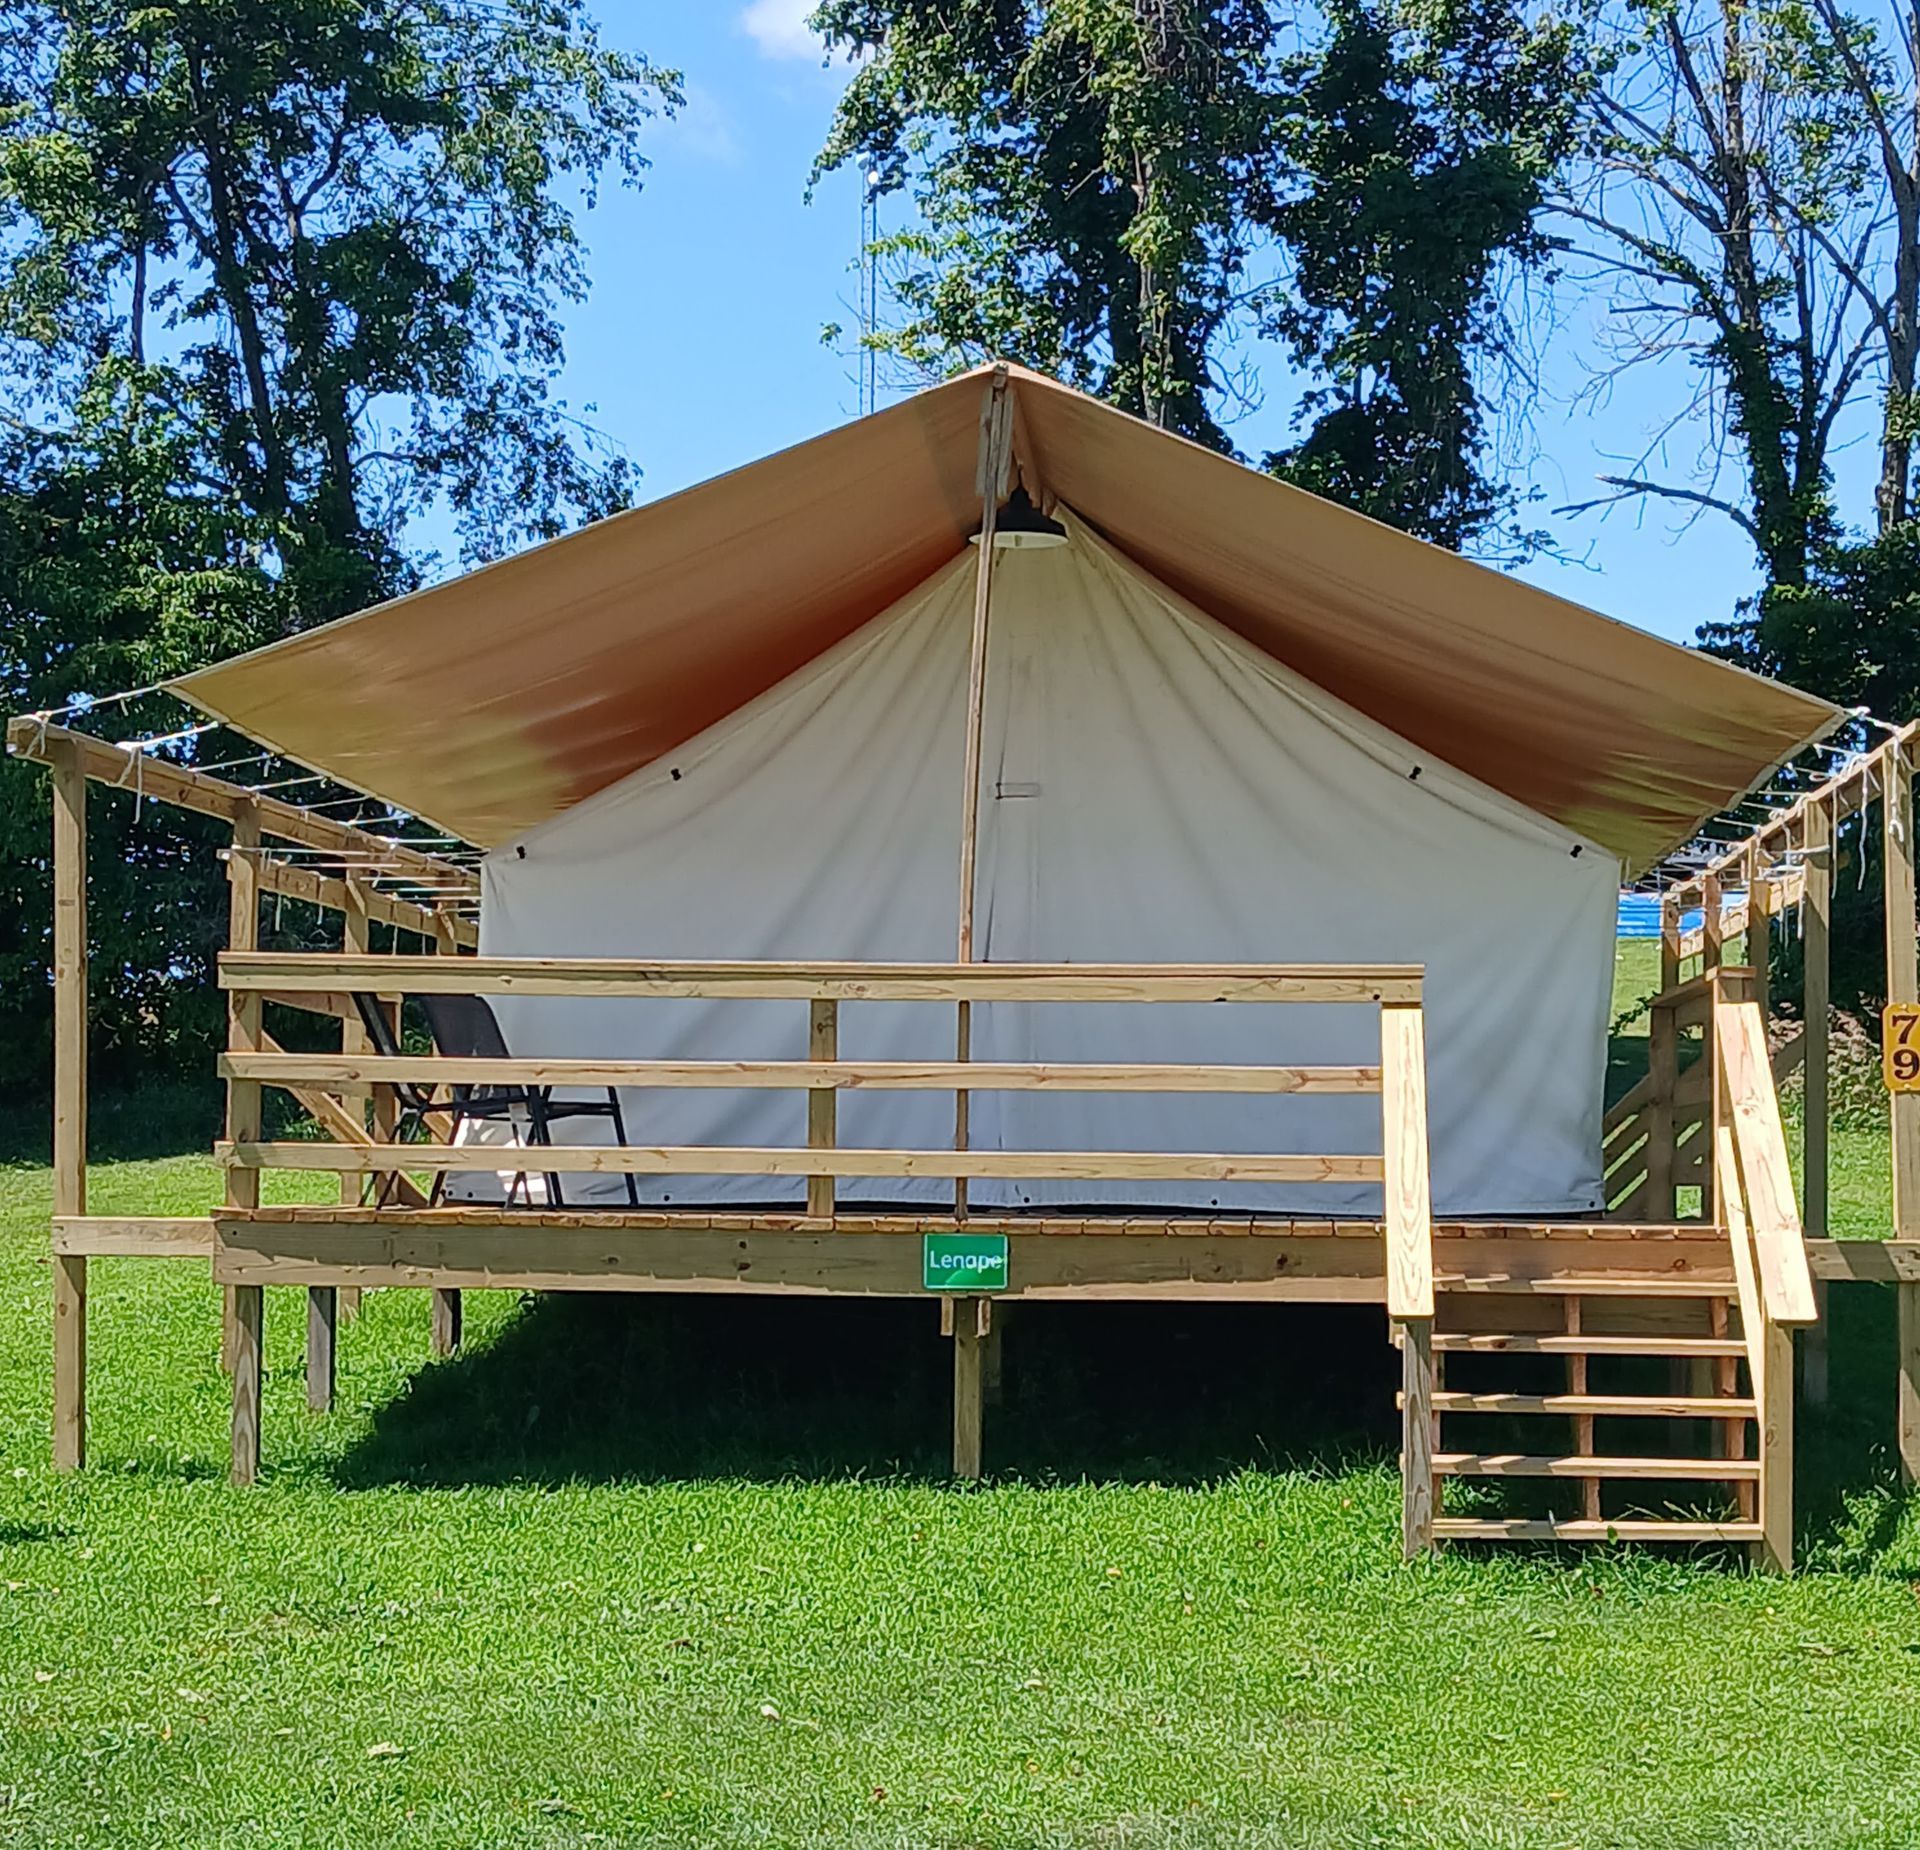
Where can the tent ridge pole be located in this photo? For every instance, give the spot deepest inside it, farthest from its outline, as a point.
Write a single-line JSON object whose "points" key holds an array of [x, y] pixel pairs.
{"points": [[958, 1317], [996, 445]]}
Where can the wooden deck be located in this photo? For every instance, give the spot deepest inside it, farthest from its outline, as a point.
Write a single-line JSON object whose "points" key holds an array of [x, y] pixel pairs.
{"points": [[1126, 1257]]}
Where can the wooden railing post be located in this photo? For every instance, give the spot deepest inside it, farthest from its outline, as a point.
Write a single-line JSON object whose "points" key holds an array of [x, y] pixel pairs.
{"points": [[1712, 958], [1408, 1223], [1903, 986], [356, 938], [448, 1319], [244, 1307], [69, 1103], [823, 1043], [1816, 929], [1663, 1069]]}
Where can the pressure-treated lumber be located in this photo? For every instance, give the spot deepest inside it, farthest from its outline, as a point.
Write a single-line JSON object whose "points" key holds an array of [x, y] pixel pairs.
{"points": [[1773, 1384], [334, 895], [1766, 1175], [447, 1320], [1903, 986], [119, 1236], [726, 1159], [248, 1314], [823, 1076], [823, 1049], [1419, 1492], [1590, 1529], [1593, 1285], [1907, 1407], [159, 780], [1842, 796], [323, 1316], [1585, 1343], [323, 971], [278, 1247], [356, 939], [1649, 1406], [1577, 1464], [1663, 1069], [69, 1104], [1816, 936], [968, 1319], [1409, 1197], [245, 1013]]}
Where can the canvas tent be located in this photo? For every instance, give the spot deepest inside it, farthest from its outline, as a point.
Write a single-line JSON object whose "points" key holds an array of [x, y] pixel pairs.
{"points": [[1226, 722]]}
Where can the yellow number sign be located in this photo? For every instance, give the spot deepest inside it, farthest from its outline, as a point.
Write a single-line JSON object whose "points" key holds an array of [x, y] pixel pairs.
{"points": [[1900, 1046]]}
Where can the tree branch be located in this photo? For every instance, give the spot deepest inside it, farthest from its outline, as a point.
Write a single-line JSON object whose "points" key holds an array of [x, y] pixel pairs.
{"points": [[1630, 488]]}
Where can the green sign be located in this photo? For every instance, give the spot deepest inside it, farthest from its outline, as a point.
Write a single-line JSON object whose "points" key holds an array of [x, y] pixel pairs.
{"points": [[964, 1261]]}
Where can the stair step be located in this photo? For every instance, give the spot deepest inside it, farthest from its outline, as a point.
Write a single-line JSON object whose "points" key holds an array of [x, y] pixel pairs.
{"points": [[1655, 1406], [1461, 1342], [1587, 1529], [1527, 1464], [1612, 1284]]}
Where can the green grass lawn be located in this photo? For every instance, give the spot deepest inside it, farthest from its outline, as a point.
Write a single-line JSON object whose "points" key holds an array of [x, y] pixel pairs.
{"points": [[673, 1572]]}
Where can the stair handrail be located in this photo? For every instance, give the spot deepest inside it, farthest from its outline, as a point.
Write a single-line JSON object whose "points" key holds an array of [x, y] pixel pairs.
{"points": [[1753, 1174]]}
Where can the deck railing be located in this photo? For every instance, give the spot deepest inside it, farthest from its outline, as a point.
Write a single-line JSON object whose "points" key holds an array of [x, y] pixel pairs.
{"points": [[1754, 1199], [341, 1083]]}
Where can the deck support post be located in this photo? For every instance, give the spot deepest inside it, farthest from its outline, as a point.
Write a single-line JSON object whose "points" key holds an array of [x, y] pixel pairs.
{"points": [[1903, 985], [448, 1317], [243, 1309], [1417, 1486], [323, 1313], [243, 1029], [1816, 936], [248, 1334], [993, 1362], [1774, 1551], [69, 1102], [967, 1321]]}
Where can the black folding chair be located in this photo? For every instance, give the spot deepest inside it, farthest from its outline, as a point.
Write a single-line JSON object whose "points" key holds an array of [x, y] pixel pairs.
{"points": [[463, 1027]]}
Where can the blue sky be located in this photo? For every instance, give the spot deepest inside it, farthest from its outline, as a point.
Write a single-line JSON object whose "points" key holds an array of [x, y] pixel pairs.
{"points": [[700, 345]]}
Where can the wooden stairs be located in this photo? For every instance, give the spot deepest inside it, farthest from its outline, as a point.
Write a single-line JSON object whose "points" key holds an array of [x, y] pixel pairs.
{"points": [[1627, 1405]]}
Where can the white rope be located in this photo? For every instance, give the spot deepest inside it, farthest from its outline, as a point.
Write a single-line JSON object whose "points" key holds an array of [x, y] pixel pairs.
{"points": [[86, 703], [166, 738]]}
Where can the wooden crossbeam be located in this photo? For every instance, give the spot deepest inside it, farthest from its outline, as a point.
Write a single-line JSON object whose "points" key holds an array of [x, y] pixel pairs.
{"points": [[335, 1070], [332, 895], [846, 982], [160, 781], [725, 1159]]}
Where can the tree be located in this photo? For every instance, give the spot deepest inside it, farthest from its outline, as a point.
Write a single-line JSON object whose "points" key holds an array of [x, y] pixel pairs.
{"points": [[1131, 194], [338, 227], [273, 281], [1750, 189], [1085, 173], [1421, 151], [113, 576]]}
